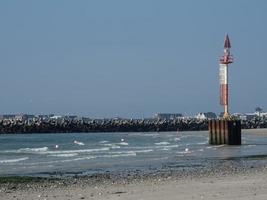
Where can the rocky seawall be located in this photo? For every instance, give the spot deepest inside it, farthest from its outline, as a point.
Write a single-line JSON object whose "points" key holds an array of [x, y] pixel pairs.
{"points": [[111, 125]]}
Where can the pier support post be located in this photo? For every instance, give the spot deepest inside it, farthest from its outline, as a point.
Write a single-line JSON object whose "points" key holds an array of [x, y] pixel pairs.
{"points": [[225, 132]]}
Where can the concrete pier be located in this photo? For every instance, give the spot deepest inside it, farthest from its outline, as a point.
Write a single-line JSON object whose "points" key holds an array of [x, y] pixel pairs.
{"points": [[224, 131]]}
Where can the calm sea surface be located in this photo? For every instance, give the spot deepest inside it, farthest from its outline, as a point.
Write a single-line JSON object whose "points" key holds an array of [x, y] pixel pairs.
{"points": [[83, 153]]}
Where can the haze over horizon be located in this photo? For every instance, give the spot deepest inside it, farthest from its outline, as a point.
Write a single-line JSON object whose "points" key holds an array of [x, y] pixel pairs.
{"points": [[130, 58]]}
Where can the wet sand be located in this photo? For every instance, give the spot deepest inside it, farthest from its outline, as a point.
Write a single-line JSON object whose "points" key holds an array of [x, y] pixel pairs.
{"points": [[232, 183]]}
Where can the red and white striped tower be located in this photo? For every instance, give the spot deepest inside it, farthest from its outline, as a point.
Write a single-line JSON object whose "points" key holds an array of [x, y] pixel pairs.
{"points": [[224, 61]]}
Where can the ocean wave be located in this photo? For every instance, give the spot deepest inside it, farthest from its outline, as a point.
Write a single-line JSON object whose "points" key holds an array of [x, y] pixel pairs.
{"points": [[167, 146], [14, 160], [79, 159], [78, 143], [77, 151], [162, 143], [102, 156], [40, 149], [64, 155], [123, 143], [215, 147], [202, 143], [132, 152], [144, 151], [112, 146], [118, 155], [85, 158], [165, 149], [103, 141], [183, 152], [44, 151], [177, 139]]}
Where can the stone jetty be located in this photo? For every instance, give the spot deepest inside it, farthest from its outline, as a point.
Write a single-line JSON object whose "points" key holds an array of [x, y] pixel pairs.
{"points": [[78, 124]]}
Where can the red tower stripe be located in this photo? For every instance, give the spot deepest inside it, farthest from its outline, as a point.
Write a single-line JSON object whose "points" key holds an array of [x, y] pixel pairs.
{"points": [[224, 94]]}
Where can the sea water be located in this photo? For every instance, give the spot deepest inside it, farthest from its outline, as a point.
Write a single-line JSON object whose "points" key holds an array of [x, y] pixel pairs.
{"points": [[85, 153]]}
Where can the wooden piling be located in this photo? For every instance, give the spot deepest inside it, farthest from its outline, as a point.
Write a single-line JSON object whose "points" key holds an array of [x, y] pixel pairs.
{"points": [[225, 132]]}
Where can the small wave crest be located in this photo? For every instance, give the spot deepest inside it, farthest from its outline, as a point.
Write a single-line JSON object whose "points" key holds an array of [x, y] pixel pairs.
{"points": [[123, 143], [64, 155], [201, 143], [78, 151], [78, 143], [41, 149], [215, 147], [14, 160], [112, 146], [103, 141], [162, 143], [167, 147], [44, 151]]}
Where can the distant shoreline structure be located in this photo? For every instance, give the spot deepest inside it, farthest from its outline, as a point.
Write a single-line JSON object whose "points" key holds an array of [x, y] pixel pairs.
{"points": [[86, 125]]}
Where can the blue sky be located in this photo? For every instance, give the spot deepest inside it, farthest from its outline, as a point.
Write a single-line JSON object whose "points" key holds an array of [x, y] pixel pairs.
{"points": [[130, 58]]}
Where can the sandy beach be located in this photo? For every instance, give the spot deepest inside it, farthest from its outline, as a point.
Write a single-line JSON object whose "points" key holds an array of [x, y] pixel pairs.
{"points": [[235, 183], [229, 178]]}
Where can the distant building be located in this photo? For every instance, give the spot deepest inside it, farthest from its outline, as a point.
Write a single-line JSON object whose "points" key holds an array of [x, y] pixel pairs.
{"points": [[240, 116], [7, 117], [206, 115], [250, 116], [24, 117], [168, 116]]}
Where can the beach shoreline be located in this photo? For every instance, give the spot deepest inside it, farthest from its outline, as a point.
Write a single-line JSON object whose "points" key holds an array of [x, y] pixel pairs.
{"points": [[226, 177], [217, 182]]}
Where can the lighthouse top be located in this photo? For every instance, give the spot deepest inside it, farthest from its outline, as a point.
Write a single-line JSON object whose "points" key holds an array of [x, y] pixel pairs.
{"points": [[227, 43], [227, 57]]}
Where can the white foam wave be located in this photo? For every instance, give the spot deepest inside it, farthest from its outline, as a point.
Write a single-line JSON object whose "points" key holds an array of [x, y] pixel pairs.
{"points": [[162, 143], [77, 151], [14, 160], [103, 141], [186, 151], [119, 155], [64, 155], [78, 143], [168, 146], [123, 143], [44, 151], [112, 146], [177, 139], [115, 147], [201, 143], [78, 159], [87, 158], [144, 151], [61, 161], [132, 152], [215, 147], [41, 149]]}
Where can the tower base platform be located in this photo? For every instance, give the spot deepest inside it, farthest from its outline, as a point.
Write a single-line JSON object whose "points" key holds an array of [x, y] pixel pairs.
{"points": [[225, 132]]}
